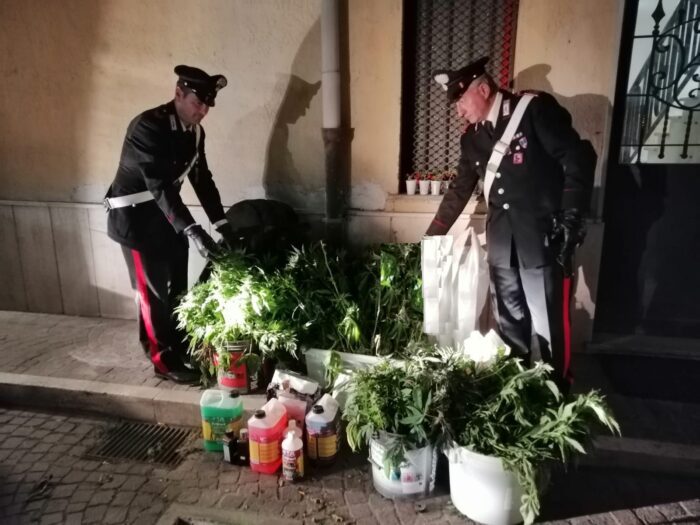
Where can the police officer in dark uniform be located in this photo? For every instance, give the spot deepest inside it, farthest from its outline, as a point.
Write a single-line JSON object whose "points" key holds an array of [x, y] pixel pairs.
{"points": [[162, 147], [536, 204]]}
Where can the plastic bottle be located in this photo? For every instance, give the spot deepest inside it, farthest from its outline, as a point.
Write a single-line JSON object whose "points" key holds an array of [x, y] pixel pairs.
{"points": [[242, 456], [265, 431], [322, 428], [292, 457], [220, 410], [292, 427]]}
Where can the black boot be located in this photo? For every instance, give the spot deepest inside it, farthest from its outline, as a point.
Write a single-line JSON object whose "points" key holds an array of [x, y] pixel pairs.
{"points": [[172, 367]]}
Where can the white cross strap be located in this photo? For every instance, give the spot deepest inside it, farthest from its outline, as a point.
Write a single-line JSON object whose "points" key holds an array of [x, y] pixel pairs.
{"points": [[133, 199], [501, 147]]}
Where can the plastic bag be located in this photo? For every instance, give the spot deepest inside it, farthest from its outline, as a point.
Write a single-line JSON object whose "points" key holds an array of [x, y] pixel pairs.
{"points": [[455, 285]]}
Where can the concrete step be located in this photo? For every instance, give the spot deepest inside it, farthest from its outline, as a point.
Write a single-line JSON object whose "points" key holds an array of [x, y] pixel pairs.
{"points": [[141, 403]]}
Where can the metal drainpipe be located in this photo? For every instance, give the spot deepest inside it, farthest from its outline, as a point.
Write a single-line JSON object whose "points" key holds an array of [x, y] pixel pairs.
{"points": [[333, 136]]}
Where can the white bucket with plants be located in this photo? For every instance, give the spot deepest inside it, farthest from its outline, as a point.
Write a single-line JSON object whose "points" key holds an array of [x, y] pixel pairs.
{"points": [[318, 362], [412, 476], [482, 489]]}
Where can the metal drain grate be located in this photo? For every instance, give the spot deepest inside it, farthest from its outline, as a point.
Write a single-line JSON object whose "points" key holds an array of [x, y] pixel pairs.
{"points": [[142, 442]]}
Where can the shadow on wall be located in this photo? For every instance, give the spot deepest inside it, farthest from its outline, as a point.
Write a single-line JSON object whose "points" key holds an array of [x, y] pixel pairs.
{"points": [[46, 65], [282, 177], [590, 114]]}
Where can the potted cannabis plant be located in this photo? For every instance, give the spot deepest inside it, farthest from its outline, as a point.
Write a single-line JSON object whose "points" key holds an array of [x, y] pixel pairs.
{"points": [[390, 408], [358, 307], [218, 349], [236, 318], [502, 423]]}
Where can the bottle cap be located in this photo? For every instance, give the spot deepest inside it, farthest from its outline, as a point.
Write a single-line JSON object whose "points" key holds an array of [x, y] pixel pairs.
{"points": [[292, 423], [243, 435], [234, 393], [317, 409], [259, 414]]}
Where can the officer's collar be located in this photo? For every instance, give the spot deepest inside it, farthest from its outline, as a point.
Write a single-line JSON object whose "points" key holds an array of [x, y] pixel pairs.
{"points": [[495, 109]]}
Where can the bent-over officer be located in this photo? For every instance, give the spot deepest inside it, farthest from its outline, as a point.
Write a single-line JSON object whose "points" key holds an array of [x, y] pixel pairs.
{"points": [[538, 187], [147, 216]]}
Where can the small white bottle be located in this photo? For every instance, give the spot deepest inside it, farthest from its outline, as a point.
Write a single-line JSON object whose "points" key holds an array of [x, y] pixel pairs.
{"points": [[292, 457], [292, 427]]}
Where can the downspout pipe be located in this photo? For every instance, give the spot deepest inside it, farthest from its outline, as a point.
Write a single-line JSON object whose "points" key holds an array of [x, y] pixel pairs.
{"points": [[334, 140]]}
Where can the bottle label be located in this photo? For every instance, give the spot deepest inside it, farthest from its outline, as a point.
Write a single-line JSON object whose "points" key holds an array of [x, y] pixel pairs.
{"points": [[214, 428], [235, 426], [323, 444], [264, 452], [292, 464]]}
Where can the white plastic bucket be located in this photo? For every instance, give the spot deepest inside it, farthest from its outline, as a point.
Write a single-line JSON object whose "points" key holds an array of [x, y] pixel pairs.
{"points": [[316, 361], [482, 489], [414, 479]]}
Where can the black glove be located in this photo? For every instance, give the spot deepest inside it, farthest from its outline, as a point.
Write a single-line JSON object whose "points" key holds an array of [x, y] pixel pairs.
{"points": [[227, 234], [205, 245], [568, 232]]}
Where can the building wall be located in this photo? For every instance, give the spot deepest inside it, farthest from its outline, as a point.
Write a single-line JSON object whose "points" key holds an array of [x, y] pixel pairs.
{"points": [[80, 70], [570, 48], [77, 71]]}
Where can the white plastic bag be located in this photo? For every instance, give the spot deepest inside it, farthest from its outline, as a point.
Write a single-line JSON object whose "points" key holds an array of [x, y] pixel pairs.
{"points": [[455, 285], [471, 288]]}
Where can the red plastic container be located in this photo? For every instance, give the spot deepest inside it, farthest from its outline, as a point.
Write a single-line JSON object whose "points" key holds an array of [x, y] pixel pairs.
{"points": [[235, 376], [265, 434]]}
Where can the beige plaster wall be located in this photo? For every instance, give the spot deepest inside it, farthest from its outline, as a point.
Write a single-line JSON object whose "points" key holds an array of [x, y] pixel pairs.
{"points": [[375, 84], [570, 48], [76, 71]]}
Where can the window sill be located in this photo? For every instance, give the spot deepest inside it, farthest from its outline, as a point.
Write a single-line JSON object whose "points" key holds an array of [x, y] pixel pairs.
{"points": [[402, 203]]}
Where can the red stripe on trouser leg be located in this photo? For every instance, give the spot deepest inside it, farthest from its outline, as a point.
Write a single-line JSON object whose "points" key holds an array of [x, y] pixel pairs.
{"points": [[566, 314], [145, 306]]}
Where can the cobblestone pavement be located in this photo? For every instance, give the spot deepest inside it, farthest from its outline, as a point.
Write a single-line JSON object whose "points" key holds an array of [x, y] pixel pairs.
{"points": [[94, 349], [41, 450]]}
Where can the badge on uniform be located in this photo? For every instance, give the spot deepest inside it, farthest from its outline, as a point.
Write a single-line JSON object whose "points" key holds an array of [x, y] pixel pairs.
{"points": [[506, 108], [523, 142], [518, 157]]}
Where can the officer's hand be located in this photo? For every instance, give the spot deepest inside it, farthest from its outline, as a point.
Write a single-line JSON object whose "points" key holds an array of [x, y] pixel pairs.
{"points": [[205, 245], [229, 237], [568, 231]]}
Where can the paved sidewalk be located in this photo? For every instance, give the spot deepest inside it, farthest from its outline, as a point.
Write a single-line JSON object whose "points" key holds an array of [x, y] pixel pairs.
{"points": [[38, 449], [99, 364], [105, 350]]}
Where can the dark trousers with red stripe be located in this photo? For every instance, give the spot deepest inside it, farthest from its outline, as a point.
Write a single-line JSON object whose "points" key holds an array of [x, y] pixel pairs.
{"points": [[531, 307], [159, 279]]}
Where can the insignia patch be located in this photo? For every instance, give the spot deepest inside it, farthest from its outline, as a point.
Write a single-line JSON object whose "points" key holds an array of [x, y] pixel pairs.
{"points": [[220, 83], [506, 108], [518, 157], [173, 123], [523, 142]]}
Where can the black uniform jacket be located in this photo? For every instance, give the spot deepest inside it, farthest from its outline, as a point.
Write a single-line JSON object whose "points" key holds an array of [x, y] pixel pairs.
{"points": [[547, 168], [155, 153]]}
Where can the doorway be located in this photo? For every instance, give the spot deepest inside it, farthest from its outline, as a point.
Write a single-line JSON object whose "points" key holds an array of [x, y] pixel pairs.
{"points": [[650, 268]]}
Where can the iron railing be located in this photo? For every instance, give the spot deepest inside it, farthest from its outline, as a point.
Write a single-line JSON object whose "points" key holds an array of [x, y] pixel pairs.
{"points": [[661, 84]]}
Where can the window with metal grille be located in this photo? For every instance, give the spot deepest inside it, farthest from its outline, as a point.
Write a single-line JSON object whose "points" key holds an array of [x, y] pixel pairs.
{"points": [[447, 34]]}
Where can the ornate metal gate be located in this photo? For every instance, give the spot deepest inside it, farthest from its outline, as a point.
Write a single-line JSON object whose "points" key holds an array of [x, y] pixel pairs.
{"points": [[441, 34], [660, 118]]}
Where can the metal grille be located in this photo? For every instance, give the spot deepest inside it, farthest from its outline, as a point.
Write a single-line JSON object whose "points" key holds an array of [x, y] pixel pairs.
{"points": [[143, 442], [448, 34], [661, 104]]}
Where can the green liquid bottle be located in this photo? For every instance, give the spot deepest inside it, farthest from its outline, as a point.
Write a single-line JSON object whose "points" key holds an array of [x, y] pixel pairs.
{"points": [[221, 412]]}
